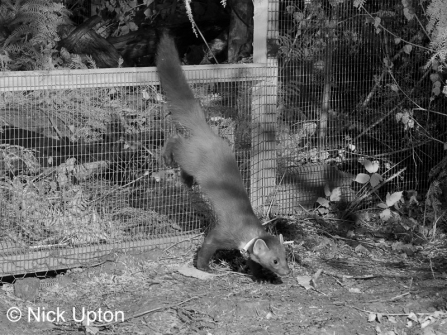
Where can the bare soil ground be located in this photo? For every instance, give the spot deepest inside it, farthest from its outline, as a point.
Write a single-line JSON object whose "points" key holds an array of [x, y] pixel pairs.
{"points": [[335, 288]]}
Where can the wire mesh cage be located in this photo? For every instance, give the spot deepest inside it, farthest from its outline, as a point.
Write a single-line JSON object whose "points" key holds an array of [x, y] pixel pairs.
{"points": [[82, 168], [348, 92]]}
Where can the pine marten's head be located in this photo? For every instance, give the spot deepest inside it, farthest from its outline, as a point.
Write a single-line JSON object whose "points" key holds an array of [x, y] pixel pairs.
{"points": [[269, 251]]}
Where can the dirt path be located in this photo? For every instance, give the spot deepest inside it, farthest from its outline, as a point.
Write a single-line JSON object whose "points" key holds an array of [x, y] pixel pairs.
{"points": [[376, 293]]}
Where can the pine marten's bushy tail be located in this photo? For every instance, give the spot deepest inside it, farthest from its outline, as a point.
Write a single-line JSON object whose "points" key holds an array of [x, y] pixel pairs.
{"points": [[183, 106]]}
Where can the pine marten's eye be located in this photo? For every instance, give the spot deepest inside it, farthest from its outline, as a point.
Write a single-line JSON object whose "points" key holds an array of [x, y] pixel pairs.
{"points": [[275, 261]]}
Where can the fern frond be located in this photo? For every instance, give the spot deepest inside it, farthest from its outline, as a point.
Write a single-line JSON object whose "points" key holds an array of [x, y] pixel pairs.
{"points": [[44, 5], [437, 13], [190, 17], [14, 48], [437, 27], [91, 62], [76, 63], [42, 39], [17, 33], [27, 17], [32, 7]]}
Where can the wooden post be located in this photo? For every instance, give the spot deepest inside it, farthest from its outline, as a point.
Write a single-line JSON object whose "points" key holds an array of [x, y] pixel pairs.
{"points": [[263, 112]]}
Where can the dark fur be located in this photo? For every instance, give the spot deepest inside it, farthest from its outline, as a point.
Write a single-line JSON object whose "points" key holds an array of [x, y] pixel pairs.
{"points": [[209, 159]]}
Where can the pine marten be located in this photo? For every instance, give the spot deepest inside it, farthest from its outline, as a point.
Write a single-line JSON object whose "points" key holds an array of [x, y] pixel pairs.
{"points": [[209, 160]]}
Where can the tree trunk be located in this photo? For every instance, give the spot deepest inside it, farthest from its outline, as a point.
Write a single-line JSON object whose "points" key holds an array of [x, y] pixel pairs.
{"points": [[240, 39], [83, 40]]}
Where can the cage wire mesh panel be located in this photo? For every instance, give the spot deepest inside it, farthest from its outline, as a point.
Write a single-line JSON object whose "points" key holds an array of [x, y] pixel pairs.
{"points": [[81, 168], [337, 103]]}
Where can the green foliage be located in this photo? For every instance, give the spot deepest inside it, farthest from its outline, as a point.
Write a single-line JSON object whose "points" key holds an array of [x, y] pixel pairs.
{"points": [[303, 43], [437, 29], [372, 178], [124, 13], [332, 197], [434, 193], [32, 29], [359, 3], [371, 182], [381, 46], [406, 118], [432, 21], [391, 201]]}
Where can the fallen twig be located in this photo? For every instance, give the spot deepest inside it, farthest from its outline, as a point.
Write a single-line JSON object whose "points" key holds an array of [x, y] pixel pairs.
{"points": [[391, 299], [147, 312]]}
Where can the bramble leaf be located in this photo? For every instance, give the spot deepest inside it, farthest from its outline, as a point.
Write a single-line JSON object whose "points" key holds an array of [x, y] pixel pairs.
{"points": [[391, 199], [385, 215], [323, 202], [336, 194], [376, 179], [371, 167], [362, 178]]}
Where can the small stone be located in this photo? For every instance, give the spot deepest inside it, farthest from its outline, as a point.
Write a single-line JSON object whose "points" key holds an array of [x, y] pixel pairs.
{"points": [[27, 288]]}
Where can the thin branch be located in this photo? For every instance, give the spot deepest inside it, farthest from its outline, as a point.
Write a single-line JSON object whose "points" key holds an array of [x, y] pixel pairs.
{"points": [[427, 71], [382, 75], [204, 40], [147, 312], [393, 34]]}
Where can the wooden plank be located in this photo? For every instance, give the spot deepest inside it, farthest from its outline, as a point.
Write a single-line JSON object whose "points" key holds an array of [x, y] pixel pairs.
{"points": [[263, 113], [58, 259], [260, 24], [71, 79], [272, 101]]}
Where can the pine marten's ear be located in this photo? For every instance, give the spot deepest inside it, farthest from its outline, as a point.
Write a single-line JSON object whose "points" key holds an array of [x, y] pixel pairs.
{"points": [[260, 247]]}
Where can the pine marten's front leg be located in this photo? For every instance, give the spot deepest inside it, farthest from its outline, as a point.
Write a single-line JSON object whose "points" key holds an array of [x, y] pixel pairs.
{"points": [[169, 149], [206, 252], [172, 144]]}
